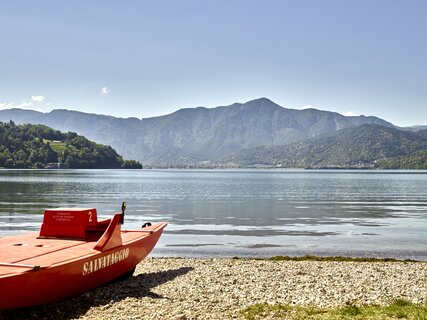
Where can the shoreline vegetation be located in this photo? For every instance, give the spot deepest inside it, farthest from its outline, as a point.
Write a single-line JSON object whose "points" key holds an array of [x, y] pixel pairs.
{"points": [[282, 287], [39, 147], [268, 167]]}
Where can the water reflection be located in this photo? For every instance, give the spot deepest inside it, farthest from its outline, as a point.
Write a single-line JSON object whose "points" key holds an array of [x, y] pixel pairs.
{"points": [[332, 211]]}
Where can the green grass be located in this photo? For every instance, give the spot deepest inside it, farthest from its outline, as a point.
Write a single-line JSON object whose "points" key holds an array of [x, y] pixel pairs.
{"points": [[319, 258], [57, 146], [338, 258], [397, 309]]}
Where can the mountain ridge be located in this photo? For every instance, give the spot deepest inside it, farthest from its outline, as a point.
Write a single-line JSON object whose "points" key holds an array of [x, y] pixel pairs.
{"points": [[366, 145], [192, 135]]}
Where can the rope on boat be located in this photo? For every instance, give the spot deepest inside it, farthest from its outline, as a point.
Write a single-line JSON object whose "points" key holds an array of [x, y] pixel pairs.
{"points": [[19, 265]]}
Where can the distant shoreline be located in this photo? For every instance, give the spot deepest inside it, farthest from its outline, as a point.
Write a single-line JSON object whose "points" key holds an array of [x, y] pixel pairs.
{"points": [[234, 169]]}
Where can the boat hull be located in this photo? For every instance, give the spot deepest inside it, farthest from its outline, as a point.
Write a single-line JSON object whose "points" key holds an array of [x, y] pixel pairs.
{"points": [[71, 277]]}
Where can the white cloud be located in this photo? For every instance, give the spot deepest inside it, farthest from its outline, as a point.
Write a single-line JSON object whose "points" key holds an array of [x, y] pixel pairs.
{"points": [[350, 114], [10, 105], [105, 90], [307, 107], [6, 105], [38, 98], [24, 104], [32, 104]]}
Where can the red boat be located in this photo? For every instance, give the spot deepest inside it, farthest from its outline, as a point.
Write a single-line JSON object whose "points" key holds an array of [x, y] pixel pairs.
{"points": [[72, 253]]}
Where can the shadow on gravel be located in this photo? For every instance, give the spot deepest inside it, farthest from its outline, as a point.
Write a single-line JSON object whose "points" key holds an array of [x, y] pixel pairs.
{"points": [[135, 287]]}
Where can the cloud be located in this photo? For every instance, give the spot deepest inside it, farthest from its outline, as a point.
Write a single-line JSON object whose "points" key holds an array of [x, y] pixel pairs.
{"points": [[105, 90], [307, 107], [6, 105], [24, 105], [10, 105], [38, 98], [33, 103], [349, 114]]}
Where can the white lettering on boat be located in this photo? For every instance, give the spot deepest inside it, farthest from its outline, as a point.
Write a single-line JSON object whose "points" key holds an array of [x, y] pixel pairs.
{"points": [[105, 261], [63, 217]]}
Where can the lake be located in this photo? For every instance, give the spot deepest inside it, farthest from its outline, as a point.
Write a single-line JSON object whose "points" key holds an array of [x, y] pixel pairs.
{"points": [[245, 213]]}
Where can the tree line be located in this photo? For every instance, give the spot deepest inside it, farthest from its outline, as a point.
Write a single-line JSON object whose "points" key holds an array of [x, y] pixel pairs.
{"points": [[38, 146]]}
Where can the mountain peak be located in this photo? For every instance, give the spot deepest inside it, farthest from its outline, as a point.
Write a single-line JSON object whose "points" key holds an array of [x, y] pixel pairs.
{"points": [[262, 100], [260, 105]]}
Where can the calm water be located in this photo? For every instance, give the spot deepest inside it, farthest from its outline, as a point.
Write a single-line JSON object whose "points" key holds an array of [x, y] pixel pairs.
{"points": [[238, 213]]}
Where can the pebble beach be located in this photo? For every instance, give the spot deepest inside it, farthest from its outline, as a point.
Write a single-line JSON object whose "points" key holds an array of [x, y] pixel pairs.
{"points": [[174, 288]]}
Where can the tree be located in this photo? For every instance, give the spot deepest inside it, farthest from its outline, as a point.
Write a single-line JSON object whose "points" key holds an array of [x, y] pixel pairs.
{"points": [[9, 163], [131, 164]]}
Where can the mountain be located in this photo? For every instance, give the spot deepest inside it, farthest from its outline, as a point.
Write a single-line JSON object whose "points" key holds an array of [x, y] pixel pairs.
{"points": [[422, 133], [364, 145], [38, 146], [415, 128], [416, 160], [196, 134]]}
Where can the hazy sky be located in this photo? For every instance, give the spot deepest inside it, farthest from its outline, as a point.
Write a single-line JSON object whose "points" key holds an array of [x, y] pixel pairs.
{"points": [[149, 58]]}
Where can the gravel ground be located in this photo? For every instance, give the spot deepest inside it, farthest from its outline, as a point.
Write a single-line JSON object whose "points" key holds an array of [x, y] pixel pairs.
{"points": [[218, 288]]}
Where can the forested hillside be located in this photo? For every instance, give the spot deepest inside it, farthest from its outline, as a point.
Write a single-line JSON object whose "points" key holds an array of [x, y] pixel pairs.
{"points": [[417, 160], [363, 146], [38, 146]]}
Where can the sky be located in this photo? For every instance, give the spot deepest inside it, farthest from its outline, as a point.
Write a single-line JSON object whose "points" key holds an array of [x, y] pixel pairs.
{"points": [[149, 58]]}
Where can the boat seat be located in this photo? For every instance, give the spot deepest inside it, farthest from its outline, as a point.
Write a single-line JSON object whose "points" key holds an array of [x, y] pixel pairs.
{"points": [[72, 223], [100, 226]]}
